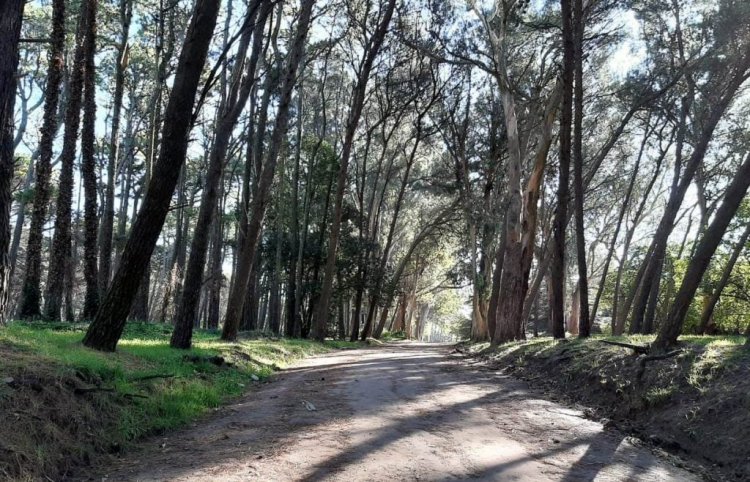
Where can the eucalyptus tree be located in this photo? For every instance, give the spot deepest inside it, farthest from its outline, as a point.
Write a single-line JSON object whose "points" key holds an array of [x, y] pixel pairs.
{"points": [[370, 49], [259, 203]]}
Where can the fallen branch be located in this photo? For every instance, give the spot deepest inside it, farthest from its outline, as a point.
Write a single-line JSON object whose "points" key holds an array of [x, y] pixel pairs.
{"points": [[661, 356], [82, 390], [643, 350], [134, 395], [152, 377], [215, 360]]}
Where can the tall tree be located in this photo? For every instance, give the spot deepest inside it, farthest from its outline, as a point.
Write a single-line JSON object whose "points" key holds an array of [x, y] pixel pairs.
{"points": [[108, 210], [240, 90], [11, 16], [584, 327], [60, 253], [88, 170], [710, 240], [106, 329], [726, 274], [371, 50], [557, 297], [260, 199], [30, 306]]}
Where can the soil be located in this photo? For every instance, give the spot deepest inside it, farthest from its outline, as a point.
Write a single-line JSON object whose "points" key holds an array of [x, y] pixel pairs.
{"points": [[694, 405], [403, 411]]}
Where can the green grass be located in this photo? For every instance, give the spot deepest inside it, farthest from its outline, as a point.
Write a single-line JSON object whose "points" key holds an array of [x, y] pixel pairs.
{"points": [[393, 336], [181, 390]]}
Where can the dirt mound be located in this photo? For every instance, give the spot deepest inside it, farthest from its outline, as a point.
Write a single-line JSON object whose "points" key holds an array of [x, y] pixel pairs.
{"points": [[695, 404], [54, 419]]}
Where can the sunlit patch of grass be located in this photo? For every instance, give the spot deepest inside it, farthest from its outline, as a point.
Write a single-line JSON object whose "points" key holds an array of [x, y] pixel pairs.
{"points": [[659, 395], [718, 355], [158, 388]]}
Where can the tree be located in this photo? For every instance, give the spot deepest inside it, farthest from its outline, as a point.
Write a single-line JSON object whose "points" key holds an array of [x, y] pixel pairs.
{"points": [[30, 305], [106, 328], [240, 90], [88, 170], [108, 210], [11, 16], [259, 202], [371, 49], [735, 193], [557, 298], [584, 327], [709, 307], [60, 254]]}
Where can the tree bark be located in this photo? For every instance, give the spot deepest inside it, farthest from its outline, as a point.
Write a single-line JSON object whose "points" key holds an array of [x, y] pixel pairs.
{"points": [[557, 297], [88, 170], [584, 327]]}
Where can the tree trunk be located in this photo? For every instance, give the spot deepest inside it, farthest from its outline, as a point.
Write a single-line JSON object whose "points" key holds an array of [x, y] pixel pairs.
{"points": [[711, 239], [107, 226], [718, 107], [88, 170], [708, 309], [214, 291], [583, 281], [265, 181], [186, 312], [358, 97], [30, 306], [11, 16], [375, 297], [61, 241], [557, 297], [618, 226], [106, 329]]}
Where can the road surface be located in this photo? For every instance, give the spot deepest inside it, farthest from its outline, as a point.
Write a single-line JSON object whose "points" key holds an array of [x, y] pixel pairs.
{"points": [[398, 412]]}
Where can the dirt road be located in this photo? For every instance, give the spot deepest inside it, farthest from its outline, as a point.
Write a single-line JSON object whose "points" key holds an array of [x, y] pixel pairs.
{"points": [[398, 412]]}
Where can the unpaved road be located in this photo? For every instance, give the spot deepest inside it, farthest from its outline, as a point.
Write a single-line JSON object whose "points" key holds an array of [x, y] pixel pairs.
{"points": [[398, 412]]}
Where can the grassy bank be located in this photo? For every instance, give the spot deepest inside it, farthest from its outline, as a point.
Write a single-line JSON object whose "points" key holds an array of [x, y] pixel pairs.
{"points": [[695, 404], [66, 404]]}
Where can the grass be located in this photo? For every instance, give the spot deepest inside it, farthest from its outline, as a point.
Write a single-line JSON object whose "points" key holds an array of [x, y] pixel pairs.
{"points": [[155, 388], [393, 336]]}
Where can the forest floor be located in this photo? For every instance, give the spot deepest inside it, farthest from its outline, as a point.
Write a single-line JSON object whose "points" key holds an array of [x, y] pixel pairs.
{"points": [[65, 406], [695, 404], [402, 411]]}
